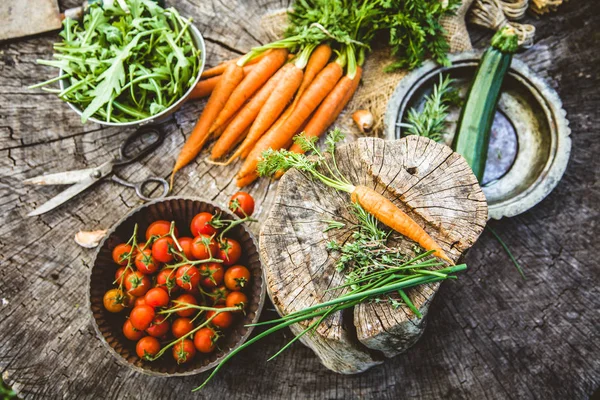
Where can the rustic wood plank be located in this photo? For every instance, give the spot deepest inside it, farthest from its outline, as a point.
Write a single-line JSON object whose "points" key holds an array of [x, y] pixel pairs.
{"points": [[490, 334]]}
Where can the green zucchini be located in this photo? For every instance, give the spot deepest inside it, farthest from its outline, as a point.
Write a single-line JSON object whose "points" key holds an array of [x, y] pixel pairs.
{"points": [[472, 136]]}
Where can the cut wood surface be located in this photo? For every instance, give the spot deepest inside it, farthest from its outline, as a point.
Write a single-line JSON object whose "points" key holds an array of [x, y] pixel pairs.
{"points": [[428, 181], [490, 334]]}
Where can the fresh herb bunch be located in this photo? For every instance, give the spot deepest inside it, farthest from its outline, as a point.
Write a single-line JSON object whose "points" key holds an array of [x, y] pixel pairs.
{"points": [[412, 28], [124, 65], [430, 122]]}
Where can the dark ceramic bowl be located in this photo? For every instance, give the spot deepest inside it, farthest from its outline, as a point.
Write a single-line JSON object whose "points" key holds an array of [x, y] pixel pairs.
{"points": [[109, 326]]}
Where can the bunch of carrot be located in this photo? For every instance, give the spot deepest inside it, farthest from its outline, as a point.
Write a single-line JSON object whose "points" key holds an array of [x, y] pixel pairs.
{"points": [[261, 100]]}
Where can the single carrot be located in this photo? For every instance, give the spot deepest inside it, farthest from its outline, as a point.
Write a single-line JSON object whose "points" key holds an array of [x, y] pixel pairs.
{"points": [[317, 61], [231, 78], [275, 105], [246, 180], [205, 87], [246, 115], [255, 79], [310, 100], [219, 69], [331, 107], [389, 214]]}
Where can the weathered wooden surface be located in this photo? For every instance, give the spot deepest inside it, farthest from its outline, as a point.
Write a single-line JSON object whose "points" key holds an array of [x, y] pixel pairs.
{"points": [[429, 182], [490, 334]]}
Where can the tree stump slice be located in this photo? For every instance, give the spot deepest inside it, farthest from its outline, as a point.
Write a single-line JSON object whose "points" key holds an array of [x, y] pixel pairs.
{"points": [[428, 181]]}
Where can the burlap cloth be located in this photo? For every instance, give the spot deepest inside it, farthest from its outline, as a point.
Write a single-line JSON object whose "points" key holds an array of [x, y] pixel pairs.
{"points": [[377, 86]]}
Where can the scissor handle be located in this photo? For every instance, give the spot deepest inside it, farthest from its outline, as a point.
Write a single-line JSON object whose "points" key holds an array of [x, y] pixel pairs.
{"points": [[141, 142], [139, 186]]}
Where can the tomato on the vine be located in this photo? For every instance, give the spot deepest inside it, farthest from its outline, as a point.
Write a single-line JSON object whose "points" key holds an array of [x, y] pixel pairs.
{"points": [[145, 263], [184, 351], [242, 204], [166, 279], [137, 284], [139, 301], [158, 327], [237, 277], [120, 276], [204, 247], [157, 297], [114, 300], [205, 340], [159, 228], [212, 274], [201, 224], [162, 249], [130, 332], [182, 301], [120, 254], [222, 320], [146, 347], [141, 317], [187, 277], [230, 251], [219, 294], [181, 327], [235, 299], [186, 246]]}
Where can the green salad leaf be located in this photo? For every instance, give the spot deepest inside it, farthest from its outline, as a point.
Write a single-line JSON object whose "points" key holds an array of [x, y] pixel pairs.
{"points": [[124, 64]]}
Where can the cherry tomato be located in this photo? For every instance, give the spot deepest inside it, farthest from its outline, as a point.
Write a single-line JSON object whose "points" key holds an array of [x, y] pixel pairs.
{"points": [[230, 251], [158, 327], [130, 332], [234, 299], [219, 294], [187, 277], [159, 228], [189, 299], [141, 317], [212, 274], [223, 319], [157, 297], [205, 340], [120, 254], [162, 249], [200, 224], [237, 277], [204, 247], [114, 300], [139, 301], [120, 276], [145, 263], [184, 351], [137, 284], [186, 246], [138, 248], [147, 346], [242, 204], [181, 327], [166, 279]]}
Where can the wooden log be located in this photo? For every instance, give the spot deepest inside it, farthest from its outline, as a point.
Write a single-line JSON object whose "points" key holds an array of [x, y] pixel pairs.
{"points": [[428, 181]]}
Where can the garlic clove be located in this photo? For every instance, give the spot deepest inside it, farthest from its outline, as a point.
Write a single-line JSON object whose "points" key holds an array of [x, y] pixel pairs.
{"points": [[364, 120], [89, 239]]}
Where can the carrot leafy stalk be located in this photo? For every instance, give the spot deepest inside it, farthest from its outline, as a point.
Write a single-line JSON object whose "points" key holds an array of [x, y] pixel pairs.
{"points": [[320, 168]]}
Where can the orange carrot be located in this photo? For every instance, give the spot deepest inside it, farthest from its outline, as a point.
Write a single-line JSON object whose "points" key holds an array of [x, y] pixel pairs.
{"points": [[310, 100], [231, 78], [275, 126], [331, 107], [317, 61], [261, 73], [205, 87], [272, 109], [219, 69], [246, 115], [246, 180], [389, 214]]}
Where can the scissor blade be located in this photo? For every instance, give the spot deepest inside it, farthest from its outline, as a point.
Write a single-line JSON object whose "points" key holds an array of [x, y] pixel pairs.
{"points": [[63, 178], [63, 197]]}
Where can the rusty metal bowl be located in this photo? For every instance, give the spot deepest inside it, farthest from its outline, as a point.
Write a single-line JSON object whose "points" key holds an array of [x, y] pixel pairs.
{"points": [[109, 326], [529, 146]]}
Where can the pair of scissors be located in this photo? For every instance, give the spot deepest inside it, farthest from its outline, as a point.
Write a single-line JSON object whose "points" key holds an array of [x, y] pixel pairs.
{"points": [[138, 144]]}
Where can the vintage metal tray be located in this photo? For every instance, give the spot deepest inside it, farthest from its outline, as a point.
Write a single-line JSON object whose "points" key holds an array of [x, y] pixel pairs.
{"points": [[529, 146]]}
